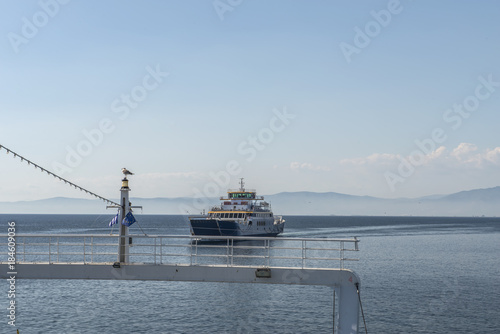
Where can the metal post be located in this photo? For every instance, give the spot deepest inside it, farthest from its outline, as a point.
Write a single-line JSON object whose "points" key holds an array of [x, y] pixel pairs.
{"points": [[123, 246], [341, 255], [232, 252], [303, 253], [333, 310], [190, 252], [227, 253], [84, 246], [268, 252], [49, 248], [161, 252], [92, 249]]}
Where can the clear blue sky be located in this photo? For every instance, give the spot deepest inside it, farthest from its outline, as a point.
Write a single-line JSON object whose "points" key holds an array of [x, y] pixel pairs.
{"points": [[361, 83]]}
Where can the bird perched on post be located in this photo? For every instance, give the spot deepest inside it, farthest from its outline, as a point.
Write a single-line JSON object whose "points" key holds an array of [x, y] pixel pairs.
{"points": [[126, 172]]}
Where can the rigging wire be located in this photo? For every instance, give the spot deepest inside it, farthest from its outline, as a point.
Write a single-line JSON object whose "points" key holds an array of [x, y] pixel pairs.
{"points": [[56, 176], [141, 228], [361, 305]]}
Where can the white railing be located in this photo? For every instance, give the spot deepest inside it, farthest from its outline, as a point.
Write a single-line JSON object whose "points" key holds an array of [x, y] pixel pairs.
{"points": [[184, 250]]}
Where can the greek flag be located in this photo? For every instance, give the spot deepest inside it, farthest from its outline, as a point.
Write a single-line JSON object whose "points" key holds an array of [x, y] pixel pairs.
{"points": [[113, 221], [129, 219]]}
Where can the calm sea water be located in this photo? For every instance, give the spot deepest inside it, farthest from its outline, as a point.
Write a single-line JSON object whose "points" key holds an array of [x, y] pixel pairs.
{"points": [[418, 275]]}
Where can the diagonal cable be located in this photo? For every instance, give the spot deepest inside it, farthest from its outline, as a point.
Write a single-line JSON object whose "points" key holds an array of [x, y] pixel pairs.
{"points": [[57, 176]]}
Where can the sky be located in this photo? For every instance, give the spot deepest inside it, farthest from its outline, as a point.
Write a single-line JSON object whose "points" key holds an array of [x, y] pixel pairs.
{"points": [[379, 98]]}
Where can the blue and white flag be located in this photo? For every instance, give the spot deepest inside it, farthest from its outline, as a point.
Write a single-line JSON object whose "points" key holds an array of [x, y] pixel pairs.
{"points": [[113, 221], [129, 219]]}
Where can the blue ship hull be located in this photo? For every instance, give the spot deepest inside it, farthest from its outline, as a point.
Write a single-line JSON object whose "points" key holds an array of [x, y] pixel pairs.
{"points": [[217, 227]]}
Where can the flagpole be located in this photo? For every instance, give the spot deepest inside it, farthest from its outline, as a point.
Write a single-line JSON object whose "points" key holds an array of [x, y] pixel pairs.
{"points": [[123, 248]]}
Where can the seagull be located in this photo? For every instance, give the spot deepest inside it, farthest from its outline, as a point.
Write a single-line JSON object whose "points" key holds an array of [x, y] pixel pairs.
{"points": [[126, 172]]}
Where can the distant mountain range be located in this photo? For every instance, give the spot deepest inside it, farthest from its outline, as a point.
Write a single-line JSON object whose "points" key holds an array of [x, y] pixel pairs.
{"points": [[476, 202]]}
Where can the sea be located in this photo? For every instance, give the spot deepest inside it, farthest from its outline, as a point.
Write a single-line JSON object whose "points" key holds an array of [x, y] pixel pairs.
{"points": [[418, 275]]}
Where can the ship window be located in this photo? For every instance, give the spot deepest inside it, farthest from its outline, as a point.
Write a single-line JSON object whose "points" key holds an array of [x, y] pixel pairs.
{"points": [[241, 195]]}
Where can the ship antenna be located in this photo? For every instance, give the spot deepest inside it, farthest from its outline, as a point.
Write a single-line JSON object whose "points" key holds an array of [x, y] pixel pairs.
{"points": [[242, 185]]}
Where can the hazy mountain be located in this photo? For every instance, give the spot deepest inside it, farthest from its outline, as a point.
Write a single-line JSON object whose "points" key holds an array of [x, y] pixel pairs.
{"points": [[476, 202]]}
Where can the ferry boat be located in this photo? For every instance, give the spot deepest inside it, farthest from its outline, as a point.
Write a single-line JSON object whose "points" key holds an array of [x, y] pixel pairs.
{"points": [[242, 213]]}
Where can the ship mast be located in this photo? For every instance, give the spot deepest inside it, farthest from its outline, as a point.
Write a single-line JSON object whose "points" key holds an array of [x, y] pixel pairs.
{"points": [[242, 185]]}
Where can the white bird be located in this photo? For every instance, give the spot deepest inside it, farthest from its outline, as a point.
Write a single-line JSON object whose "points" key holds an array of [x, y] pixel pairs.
{"points": [[126, 172]]}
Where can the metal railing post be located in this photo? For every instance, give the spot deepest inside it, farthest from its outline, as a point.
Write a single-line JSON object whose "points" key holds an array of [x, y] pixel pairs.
{"points": [[303, 253], [196, 252], [227, 252], [341, 255], [268, 253], [92, 249], [49, 248], [191, 252], [232, 252], [161, 253]]}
